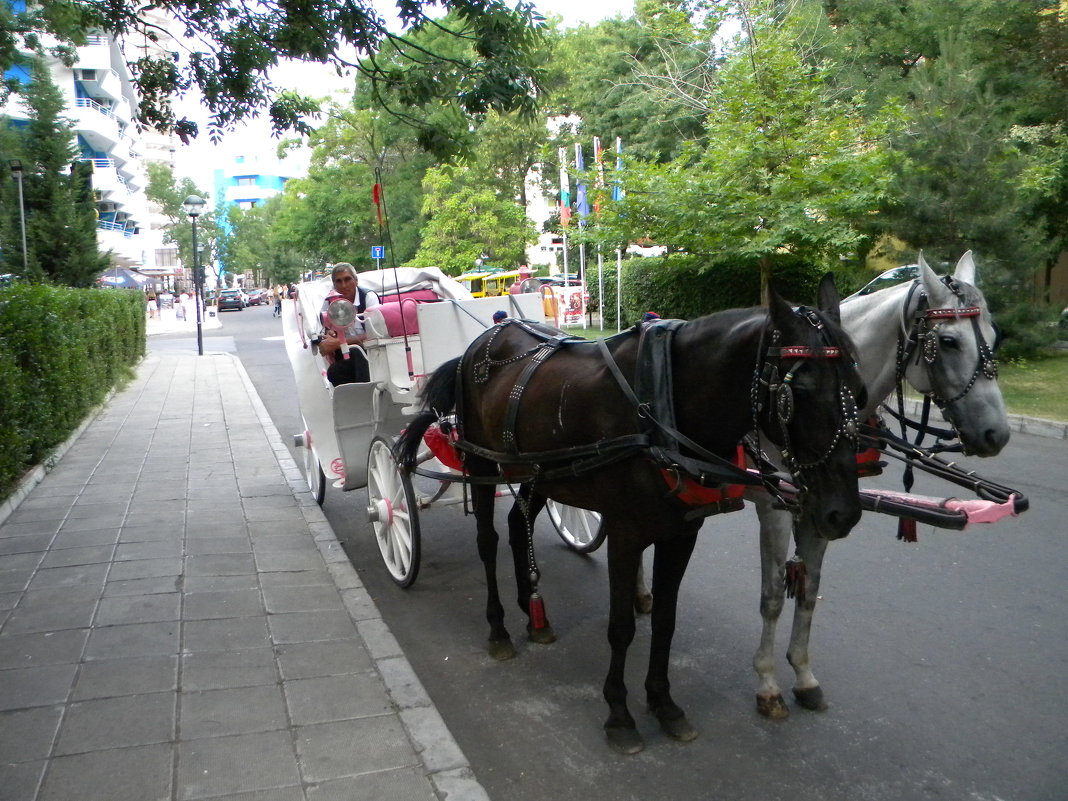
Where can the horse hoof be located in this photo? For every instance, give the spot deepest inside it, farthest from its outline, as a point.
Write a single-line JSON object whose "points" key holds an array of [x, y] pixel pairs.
{"points": [[502, 650], [811, 698], [643, 604], [773, 707], [542, 636], [678, 729], [625, 740]]}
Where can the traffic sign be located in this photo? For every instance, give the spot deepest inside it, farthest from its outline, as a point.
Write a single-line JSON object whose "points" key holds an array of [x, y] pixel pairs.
{"points": [[378, 252]]}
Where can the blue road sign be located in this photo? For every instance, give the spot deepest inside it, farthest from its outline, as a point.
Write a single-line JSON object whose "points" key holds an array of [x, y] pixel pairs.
{"points": [[378, 252]]}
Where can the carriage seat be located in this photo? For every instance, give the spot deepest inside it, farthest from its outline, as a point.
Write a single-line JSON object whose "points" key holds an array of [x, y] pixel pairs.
{"points": [[396, 316]]}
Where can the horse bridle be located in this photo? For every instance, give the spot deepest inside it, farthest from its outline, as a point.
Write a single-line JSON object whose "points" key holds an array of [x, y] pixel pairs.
{"points": [[771, 388], [922, 340]]}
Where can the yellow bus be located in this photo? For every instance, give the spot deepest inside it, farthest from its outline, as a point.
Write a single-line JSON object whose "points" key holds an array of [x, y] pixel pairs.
{"points": [[489, 283]]}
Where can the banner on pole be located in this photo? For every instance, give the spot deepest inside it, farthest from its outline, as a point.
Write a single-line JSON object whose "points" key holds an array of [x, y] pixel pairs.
{"points": [[582, 204], [565, 190]]}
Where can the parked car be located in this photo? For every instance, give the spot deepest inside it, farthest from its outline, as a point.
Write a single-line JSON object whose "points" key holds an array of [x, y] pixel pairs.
{"points": [[888, 278], [257, 297], [231, 299]]}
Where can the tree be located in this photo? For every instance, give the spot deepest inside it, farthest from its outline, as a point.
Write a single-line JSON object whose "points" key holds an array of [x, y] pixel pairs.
{"points": [[170, 194], [230, 46], [467, 222], [787, 169], [58, 200]]}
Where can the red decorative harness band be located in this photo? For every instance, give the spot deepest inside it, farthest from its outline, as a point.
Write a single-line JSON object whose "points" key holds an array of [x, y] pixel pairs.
{"points": [[805, 352], [935, 314]]}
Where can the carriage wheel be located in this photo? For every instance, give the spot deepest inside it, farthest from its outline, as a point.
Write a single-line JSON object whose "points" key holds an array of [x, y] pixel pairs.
{"points": [[581, 529], [313, 471], [393, 513]]}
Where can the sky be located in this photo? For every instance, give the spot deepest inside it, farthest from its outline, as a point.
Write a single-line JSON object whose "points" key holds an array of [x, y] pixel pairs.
{"points": [[198, 160]]}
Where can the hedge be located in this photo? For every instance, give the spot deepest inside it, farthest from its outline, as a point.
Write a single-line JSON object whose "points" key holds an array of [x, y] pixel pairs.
{"points": [[685, 287], [61, 351]]}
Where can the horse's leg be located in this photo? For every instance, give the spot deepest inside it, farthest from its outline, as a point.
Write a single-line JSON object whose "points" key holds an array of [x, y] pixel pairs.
{"points": [[624, 556], [500, 644], [670, 558], [643, 599], [775, 530], [520, 531], [811, 548]]}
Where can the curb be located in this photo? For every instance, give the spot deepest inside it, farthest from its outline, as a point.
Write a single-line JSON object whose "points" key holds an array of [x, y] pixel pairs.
{"points": [[447, 768]]}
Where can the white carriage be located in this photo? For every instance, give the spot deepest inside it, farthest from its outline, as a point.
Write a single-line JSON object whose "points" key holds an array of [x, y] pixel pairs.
{"points": [[425, 319]]}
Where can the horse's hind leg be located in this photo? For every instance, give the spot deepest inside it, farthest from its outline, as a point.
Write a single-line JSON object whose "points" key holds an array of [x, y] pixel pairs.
{"points": [[520, 534], [775, 530], [624, 556], [811, 548], [500, 643], [670, 559]]}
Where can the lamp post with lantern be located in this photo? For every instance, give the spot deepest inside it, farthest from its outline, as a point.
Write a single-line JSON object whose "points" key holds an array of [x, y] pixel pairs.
{"points": [[16, 171], [194, 207]]}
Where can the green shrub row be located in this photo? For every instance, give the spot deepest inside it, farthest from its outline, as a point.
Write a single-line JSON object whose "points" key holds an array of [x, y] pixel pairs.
{"points": [[61, 351], [685, 287]]}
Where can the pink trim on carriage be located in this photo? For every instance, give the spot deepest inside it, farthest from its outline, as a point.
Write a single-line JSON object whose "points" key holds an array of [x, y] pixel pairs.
{"points": [[976, 511]]}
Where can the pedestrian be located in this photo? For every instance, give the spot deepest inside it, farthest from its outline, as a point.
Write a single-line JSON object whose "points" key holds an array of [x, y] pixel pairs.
{"points": [[355, 368], [276, 296], [499, 316]]}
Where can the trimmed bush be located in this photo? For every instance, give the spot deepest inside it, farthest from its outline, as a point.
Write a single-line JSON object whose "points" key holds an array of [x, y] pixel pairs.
{"points": [[61, 351]]}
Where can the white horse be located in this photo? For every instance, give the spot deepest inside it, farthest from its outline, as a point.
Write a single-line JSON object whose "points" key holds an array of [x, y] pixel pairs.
{"points": [[953, 364]]}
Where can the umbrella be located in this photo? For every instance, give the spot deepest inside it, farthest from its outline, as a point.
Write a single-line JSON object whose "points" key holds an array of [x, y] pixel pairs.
{"points": [[122, 278]]}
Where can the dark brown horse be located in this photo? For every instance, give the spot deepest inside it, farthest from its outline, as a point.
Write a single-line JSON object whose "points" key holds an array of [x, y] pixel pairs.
{"points": [[618, 426]]}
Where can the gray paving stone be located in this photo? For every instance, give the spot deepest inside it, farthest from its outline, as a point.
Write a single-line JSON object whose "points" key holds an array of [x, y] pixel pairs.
{"points": [[204, 546], [231, 603], [220, 565], [352, 747], [324, 658], [301, 599], [27, 543], [75, 576], [277, 561], [194, 584], [53, 609], [296, 578], [21, 688], [42, 648], [402, 784], [239, 710], [134, 639], [85, 555], [25, 521], [197, 529], [146, 568], [25, 561], [119, 609], [9, 599], [15, 580], [81, 539], [108, 678], [218, 766], [289, 541], [225, 635], [105, 723], [310, 626], [106, 514], [327, 698], [152, 549], [145, 586], [19, 781], [295, 793], [220, 669], [26, 735], [168, 531], [142, 773]]}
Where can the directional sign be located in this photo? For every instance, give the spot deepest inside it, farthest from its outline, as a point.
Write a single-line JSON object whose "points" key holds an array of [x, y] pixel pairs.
{"points": [[378, 252]]}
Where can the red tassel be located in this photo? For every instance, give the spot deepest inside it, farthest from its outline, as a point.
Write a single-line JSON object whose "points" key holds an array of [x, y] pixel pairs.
{"points": [[537, 611], [906, 529], [376, 195], [794, 579]]}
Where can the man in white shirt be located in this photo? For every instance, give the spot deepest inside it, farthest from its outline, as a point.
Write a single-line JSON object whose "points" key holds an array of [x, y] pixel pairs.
{"points": [[347, 285]]}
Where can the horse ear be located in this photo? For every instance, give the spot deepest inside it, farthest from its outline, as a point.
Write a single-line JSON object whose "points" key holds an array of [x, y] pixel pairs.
{"points": [[781, 312], [965, 271], [828, 298], [936, 290]]}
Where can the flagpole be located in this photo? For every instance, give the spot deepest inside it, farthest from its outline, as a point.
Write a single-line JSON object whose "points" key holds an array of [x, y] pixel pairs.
{"points": [[619, 289]]}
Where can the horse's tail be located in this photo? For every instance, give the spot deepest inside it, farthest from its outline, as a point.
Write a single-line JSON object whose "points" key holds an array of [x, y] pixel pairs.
{"points": [[439, 399]]}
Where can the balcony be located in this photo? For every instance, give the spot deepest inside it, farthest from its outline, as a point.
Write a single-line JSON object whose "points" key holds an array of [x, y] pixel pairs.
{"points": [[96, 123]]}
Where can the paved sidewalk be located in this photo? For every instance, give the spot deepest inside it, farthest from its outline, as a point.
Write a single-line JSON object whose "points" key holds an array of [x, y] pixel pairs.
{"points": [[178, 621]]}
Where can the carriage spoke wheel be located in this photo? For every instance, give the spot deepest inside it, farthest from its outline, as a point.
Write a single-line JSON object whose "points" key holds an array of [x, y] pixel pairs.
{"points": [[393, 513], [581, 529], [313, 471]]}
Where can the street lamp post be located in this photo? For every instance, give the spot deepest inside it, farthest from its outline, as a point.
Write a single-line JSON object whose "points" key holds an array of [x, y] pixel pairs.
{"points": [[194, 206], [16, 170]]}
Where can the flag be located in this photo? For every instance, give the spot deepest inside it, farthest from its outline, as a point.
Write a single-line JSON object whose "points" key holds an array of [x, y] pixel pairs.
{"points": [[565, 190], [617, 187], [598, 159], [582, 204]]}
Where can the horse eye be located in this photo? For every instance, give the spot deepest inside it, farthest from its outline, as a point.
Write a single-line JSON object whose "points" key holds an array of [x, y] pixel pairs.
{"points": [[947, 342]]}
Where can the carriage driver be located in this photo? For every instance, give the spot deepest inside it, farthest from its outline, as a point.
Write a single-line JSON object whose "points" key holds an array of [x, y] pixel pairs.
{"points": [[347, 285]]}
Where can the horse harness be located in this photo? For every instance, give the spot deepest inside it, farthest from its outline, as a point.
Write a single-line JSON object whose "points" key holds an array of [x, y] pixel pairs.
{"points": [[652, 398]]}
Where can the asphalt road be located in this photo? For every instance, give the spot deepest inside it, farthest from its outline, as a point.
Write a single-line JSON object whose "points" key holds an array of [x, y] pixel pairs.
{"points": [[941, 660]]}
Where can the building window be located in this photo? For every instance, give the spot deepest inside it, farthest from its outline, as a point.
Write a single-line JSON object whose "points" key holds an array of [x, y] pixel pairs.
{"points": [[246, 180], [167, 257], [246, 204]]}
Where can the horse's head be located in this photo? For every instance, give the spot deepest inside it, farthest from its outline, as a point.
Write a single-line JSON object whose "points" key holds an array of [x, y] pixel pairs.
{"points": [[810, 391], [954, 362]]}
